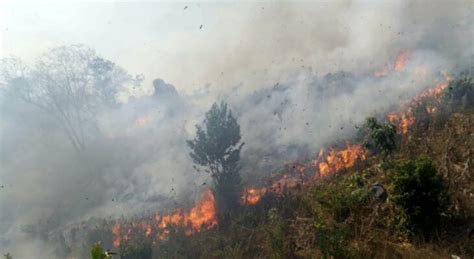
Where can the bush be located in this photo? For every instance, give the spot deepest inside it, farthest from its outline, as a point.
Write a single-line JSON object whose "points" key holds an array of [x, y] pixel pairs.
{"points": [[332, 241], [276, 233], [420, 192], [380, 137], [98, 252], [135, 249], [343, 199]]}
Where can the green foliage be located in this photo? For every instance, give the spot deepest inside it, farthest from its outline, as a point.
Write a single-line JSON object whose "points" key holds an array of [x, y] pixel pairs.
{"points": [[178, 245], [421, 194], [331, 240], [338, 206], [276, 233], [8, 256], [380, 136], [98, 252], [137, 248], [343, 199], [217, 148], [231, 251]]}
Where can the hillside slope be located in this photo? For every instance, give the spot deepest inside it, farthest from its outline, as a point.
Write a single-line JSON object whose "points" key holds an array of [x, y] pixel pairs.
{"points": [[340, 216]]}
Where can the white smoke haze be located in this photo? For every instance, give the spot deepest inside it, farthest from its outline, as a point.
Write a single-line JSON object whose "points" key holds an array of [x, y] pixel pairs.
{"points": [[299, 76]]}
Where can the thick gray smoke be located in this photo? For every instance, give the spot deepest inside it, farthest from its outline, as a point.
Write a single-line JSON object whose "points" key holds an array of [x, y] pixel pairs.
{"points": [[298, 75]]}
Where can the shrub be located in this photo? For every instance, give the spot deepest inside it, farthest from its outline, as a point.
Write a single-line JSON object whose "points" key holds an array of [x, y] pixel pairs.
{"points": [[331, 240], [380, 137], [134, 249], [276, 233], [420, 192], [98, 252]]}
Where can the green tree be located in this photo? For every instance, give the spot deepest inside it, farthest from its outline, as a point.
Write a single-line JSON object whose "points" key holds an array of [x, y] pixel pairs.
{"points": [[98, 252], [216, 148], [380, 137], [421, 194]]}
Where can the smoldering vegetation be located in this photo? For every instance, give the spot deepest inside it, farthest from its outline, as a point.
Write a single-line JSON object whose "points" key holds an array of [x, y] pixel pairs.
{"points": [[125, 155]]}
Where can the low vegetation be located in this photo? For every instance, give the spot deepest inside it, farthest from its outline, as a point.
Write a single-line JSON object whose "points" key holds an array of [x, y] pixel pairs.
{"points": [[411, 198]]}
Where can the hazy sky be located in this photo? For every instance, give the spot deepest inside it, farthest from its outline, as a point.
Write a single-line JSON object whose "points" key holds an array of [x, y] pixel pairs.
{"points": [[164, 39], [143, 37], [249, 43]]}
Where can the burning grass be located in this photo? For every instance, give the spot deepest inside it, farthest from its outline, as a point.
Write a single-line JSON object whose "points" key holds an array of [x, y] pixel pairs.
{"points": [[158, 227]]}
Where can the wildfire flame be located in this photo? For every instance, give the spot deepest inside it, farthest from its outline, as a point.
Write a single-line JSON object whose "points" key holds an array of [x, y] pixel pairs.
{"points": [[338, 160], [203, 215], [407, 121], [253, 196], [116, 234], [402, 60], [405, 118], [326, 163], [399, 64]]}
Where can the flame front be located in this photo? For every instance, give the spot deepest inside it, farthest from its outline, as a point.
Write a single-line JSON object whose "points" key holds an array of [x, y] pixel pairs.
{"points": [[326, 163], [402, 60], [116, 234], [398, 66], [405, 118], [203, 215], [338, 160], [253, 196]]}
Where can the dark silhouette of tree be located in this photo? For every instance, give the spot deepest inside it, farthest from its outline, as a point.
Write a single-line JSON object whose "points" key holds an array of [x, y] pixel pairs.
{"points": [[70, 83], [216, 147]]}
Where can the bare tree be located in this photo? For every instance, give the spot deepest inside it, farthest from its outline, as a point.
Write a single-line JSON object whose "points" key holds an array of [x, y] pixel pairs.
{"points": [[71, 83]]}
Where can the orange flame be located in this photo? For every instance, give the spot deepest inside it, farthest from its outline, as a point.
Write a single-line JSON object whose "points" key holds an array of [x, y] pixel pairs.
{"points": [[393, 118], [406, 117], [324, 165], [402, 60], [431, 110], [116, 234], [407, 121], [399, 65], [203, 215], [338, 160], [252, 196]]}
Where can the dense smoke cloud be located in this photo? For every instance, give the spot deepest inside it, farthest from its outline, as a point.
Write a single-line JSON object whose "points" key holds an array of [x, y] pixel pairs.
{"points": [[298, 75], [254, 44]]}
